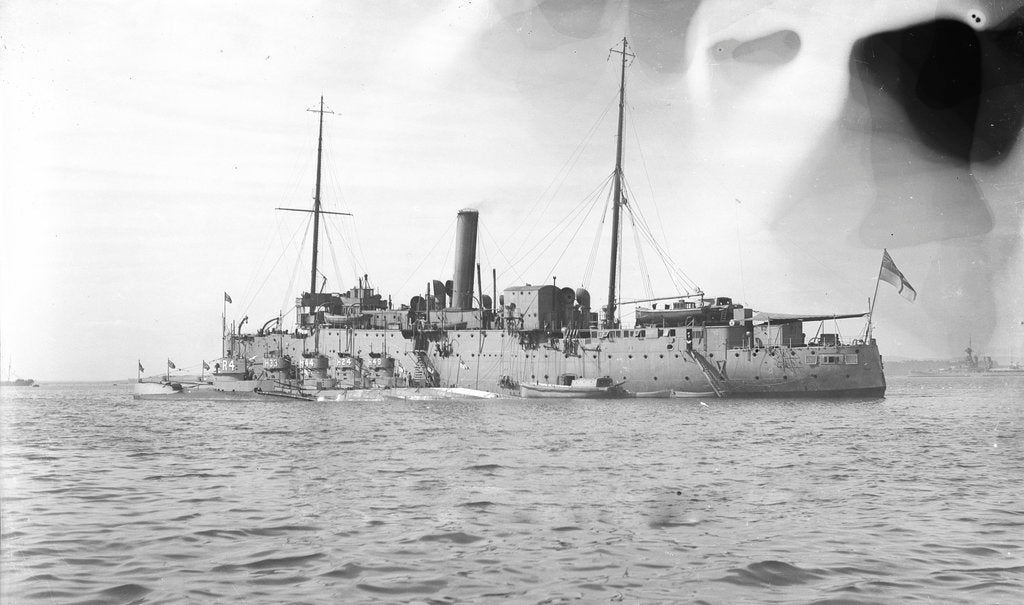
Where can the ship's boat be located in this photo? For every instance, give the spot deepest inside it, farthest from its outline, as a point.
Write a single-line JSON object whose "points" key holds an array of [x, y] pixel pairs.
{"points": [[160, 388], [455, 338], [572, 387]]}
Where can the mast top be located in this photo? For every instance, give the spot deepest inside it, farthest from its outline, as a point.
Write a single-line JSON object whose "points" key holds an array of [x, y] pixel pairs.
{"points": [[624, 51]]}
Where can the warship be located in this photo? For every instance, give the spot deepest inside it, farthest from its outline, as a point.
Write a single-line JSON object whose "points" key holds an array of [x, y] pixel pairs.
{"points": [[970, 365], [532, 340]]}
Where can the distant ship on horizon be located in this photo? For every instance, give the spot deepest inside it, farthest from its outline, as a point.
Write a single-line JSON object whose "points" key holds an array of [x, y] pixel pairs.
{"points": [[533, 338], [970, 365], [17, 382]]}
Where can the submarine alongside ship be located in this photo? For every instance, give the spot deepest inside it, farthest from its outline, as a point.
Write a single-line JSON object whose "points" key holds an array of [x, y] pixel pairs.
{"points": [[544, 341]]}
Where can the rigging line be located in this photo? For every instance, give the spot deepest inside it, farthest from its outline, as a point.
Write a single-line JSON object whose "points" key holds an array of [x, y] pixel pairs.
{"points": [[357, 269], [510, 265], [667, 261], [428, 255], [298, 260], [561, 175], [558, 226], [299, 165], [787, 241], [645, 275], [739, 250], [550, 241], [568, 244], [253, 275], [643, 164], [448, 255], [348, 232], [563, 172], [270, 272], [817, 258], [591, 262], [334, 258], [485, 257]]}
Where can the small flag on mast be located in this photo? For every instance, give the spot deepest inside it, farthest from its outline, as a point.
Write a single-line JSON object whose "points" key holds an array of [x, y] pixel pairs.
{"points": [[141, 369], [170, 364], [894, 276], [206, 366], [227, 298]]}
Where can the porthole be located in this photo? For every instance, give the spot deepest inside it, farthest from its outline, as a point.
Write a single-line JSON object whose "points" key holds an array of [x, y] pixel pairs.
{"points": [[660, 356], [737, 354], [686, 377], [785, 377], [757, 378], [669, 347], [711, 354], [629, 356], [655, 378]]}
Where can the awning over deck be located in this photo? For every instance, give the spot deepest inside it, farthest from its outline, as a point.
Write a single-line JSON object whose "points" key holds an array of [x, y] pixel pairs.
{"points": [[761, 317]]}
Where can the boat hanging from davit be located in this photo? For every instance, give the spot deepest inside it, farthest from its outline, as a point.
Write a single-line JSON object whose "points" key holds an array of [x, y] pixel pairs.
{"points": [[455, 340]]}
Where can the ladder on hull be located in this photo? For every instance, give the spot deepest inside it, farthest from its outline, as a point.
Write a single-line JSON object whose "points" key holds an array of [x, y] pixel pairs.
{"points": [[423, 373], [711, 373]]}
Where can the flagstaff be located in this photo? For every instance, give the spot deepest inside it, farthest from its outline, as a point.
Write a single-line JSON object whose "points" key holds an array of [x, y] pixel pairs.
{"points": [[889, 272], [224, 325]]}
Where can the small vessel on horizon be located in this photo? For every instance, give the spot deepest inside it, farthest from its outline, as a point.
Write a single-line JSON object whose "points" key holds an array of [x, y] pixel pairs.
{"points": [[16, 382], [455, 338]]}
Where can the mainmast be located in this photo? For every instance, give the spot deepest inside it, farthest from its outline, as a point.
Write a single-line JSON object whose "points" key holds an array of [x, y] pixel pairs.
{"points": [[609, 320]]}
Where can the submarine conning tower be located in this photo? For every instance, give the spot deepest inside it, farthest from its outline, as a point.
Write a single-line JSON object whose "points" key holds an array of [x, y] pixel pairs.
{"points": [[465, 259]]}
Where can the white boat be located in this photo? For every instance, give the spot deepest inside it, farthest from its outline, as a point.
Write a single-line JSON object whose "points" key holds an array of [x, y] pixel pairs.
{"points": [[144, 389], [694, 394], [571, 387]]}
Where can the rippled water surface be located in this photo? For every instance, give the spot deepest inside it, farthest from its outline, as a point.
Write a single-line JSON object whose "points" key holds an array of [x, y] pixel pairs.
{"points": [[913, 498]]}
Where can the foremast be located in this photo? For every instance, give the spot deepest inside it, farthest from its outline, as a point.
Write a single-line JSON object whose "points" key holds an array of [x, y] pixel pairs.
{"points": [[609, 319], [316, 196], [312, 299]]}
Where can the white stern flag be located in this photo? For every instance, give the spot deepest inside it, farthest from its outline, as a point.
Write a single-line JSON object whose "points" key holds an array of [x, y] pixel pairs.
{"points": [[895, 277]]}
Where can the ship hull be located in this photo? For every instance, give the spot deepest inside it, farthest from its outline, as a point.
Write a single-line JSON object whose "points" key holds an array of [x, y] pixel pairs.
{"points": [[647, 361]]}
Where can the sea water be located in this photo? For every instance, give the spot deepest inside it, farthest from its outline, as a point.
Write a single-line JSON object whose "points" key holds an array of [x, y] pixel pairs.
{"points": [[916, 497]]}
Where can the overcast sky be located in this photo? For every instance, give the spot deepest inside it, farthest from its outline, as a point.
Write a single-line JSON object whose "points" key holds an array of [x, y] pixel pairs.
{"points": [[145, 146]]}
